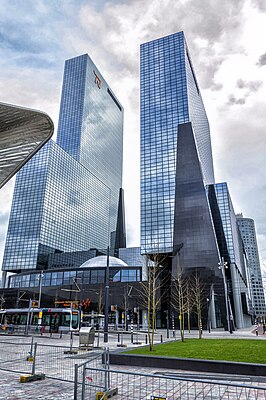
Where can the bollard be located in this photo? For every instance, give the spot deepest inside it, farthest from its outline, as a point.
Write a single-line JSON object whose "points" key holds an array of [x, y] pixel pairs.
{"points": [[146, 339], [161, 338], [118, 337], [61, 334], [131, 337]]}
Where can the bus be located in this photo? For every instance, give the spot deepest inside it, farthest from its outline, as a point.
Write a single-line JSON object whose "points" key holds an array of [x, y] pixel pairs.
{"points": [[52, 320]]}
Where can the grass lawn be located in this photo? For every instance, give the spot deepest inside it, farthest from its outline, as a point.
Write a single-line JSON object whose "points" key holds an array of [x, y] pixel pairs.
{"points": [[241, 350]]}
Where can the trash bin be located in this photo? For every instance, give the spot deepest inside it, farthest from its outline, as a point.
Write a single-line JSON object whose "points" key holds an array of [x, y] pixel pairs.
{"points": [[86, 336]]}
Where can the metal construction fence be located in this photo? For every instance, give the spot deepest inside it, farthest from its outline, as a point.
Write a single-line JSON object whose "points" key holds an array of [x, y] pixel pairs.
{"points": [[99, 383], [15, 355], [57, 362], [93, 379]]}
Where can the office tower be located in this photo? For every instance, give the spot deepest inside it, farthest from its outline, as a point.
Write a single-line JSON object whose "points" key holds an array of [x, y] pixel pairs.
{"points": [[90, 126], [248, 235], [58, 206], [176, 164], [232, 251], [66, 198], [170, 97]]}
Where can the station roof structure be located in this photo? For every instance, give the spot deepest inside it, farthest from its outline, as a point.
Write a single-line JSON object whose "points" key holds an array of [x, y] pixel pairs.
{"points": [[23, 132]]}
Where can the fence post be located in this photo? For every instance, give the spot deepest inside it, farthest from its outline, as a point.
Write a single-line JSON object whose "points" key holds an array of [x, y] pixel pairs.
{"points": [[71, 340], [132, 331], [34, 359], [76, 382], [31, 346], [105, 369], [108, 366], [83, 382]]}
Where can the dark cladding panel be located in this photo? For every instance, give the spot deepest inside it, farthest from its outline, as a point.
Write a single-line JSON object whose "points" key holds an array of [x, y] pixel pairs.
{"points": [[194, 234]]}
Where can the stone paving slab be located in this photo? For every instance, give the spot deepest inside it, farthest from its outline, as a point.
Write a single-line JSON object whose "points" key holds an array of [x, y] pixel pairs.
{"points": [[12, 389]]}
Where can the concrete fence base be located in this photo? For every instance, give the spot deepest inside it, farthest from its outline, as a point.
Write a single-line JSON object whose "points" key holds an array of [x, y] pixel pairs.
{"points": [[221, 367]]}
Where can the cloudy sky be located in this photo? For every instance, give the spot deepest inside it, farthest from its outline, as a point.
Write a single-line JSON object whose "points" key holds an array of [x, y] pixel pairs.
{"points": [[228, 49]]}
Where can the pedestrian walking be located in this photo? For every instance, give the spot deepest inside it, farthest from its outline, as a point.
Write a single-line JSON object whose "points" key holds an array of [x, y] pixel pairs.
{"points": [[257, 330], [264, 328]]}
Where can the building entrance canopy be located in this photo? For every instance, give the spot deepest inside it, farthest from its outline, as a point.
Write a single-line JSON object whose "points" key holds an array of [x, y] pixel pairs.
{"points": [[22, 133]]}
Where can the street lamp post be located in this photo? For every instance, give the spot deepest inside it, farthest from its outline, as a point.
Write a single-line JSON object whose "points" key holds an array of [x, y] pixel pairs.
{"points": [[40, 276], [106, 305], [222, 265], [208, 315]]}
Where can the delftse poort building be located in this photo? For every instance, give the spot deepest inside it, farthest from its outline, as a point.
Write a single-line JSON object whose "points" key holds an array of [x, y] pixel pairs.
{"points": [[176, 165]]}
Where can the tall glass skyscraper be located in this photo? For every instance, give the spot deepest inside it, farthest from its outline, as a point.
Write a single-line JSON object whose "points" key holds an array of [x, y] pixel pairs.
{"points": [[90, 125], [169, 96], [66, 198]]}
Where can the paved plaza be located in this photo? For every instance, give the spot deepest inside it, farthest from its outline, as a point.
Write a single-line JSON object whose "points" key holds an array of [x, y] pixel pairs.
{"points": [[56, 389]]}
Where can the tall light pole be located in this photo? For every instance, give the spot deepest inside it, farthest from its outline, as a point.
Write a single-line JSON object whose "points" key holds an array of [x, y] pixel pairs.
{"points": [[40, 276], [208, 315], [106, 302], [222, 265]]}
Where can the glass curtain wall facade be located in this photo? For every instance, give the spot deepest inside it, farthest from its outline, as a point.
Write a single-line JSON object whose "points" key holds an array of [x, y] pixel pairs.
{"points": [[90, 125], [248, 235], [231, 248], [91, 276], [169, 96], [58, 205], [66, 198]]}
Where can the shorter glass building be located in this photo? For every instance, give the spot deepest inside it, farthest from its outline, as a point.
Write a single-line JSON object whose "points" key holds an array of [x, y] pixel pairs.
{"points": [[248, 235], [58, 206], [232, 252]]}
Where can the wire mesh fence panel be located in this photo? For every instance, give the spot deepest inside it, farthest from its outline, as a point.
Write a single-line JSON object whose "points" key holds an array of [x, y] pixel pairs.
{"points": [[16, 357], [147, 386], [58, 362]]}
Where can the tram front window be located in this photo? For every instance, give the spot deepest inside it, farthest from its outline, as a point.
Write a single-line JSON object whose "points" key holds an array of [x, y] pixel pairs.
{"points": [[75, 320]]}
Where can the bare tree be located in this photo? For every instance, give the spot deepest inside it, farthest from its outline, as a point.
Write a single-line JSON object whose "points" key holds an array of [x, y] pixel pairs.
{"points": [[150, 293], [197, 288], [178, 300]]}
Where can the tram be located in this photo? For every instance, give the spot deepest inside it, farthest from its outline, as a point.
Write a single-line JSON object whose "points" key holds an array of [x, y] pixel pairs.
{"points": [[51, 320]]}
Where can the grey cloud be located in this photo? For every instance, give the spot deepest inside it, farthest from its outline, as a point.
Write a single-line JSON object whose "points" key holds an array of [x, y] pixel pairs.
{"points": [[3, 224], [249, 88], [252, 86], [262, 60], [260, 4], [233, 100], [208, 21]]}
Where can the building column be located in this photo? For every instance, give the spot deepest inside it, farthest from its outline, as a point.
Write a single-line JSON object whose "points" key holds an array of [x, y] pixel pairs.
{"points": [[236, 287], [4, 276], [212, 310]]}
